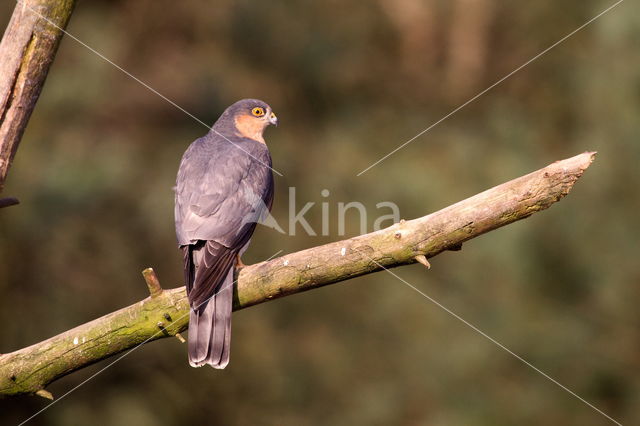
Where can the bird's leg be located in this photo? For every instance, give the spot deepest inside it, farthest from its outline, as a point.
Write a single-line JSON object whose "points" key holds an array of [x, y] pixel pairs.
{"points": [[239, 263]]}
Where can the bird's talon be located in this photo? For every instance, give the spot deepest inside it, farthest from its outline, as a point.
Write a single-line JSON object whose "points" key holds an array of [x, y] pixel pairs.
{"points": [[239, 263]]}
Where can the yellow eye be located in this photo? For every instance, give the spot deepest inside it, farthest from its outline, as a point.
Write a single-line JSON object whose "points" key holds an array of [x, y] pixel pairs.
{"points": [[257, 111]]}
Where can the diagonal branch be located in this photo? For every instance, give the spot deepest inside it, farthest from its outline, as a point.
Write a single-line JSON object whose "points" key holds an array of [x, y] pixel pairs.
{"points": [[27, 50], [165, 313]]}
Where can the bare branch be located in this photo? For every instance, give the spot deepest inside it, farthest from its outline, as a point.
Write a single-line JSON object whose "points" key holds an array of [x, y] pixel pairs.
{"points": [[8, 201], [27, 50], [30, 369]]}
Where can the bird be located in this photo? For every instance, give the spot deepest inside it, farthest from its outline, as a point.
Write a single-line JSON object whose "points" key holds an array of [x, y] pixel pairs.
{"points": [[224, 186]]}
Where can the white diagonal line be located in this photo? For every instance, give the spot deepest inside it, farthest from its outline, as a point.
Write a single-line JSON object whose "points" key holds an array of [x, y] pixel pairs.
{"points": [[500, 345], [24, 4], [127, 353], [491, 87]]}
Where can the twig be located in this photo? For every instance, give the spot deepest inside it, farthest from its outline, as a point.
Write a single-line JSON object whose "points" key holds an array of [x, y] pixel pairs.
{"points": [[8, 201], [153, 284]]}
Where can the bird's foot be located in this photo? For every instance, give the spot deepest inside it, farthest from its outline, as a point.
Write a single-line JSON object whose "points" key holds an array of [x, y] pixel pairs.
{"points": [[239, 263]]}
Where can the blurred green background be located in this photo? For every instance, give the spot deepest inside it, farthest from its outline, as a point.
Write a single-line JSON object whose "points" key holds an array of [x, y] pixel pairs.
{"points": [[349, 81]]}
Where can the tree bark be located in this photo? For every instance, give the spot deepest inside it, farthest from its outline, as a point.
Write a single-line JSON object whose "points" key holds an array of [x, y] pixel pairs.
{"points": [[166, 312], [27, 50]]}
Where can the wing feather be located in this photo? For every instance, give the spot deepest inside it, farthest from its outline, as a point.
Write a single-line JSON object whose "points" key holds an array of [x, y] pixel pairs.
{"points": [[221, 192]]}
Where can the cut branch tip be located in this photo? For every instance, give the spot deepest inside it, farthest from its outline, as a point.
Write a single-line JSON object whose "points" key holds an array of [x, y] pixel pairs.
{"points": [[152, 281], [45, 394], [423, 260]]}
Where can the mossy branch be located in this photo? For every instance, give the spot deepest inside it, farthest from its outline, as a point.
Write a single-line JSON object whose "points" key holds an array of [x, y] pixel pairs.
{"points": [[165, 312], [27, 49]]}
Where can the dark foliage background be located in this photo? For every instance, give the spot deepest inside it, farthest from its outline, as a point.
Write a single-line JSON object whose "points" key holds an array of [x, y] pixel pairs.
{"points": [[350, 81]]}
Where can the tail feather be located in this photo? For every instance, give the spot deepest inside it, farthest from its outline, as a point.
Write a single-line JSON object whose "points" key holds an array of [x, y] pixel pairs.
{"points": [[221, 333], [209, 278], [210, 328], [200, 325], [224, 359]]}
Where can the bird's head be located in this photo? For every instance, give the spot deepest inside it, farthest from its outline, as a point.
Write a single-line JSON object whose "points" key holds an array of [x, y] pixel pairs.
{"points": [[249, 118]]}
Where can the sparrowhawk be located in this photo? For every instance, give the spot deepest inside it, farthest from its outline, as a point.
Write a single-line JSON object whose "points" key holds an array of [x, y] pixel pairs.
{"points": [[224, 186]]}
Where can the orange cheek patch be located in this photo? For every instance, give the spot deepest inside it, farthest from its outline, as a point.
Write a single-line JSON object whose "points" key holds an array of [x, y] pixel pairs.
{"points": [[250, 127]]}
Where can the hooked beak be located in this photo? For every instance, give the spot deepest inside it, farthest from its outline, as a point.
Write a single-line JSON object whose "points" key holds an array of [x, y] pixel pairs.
{"points": [[273, 119]]}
